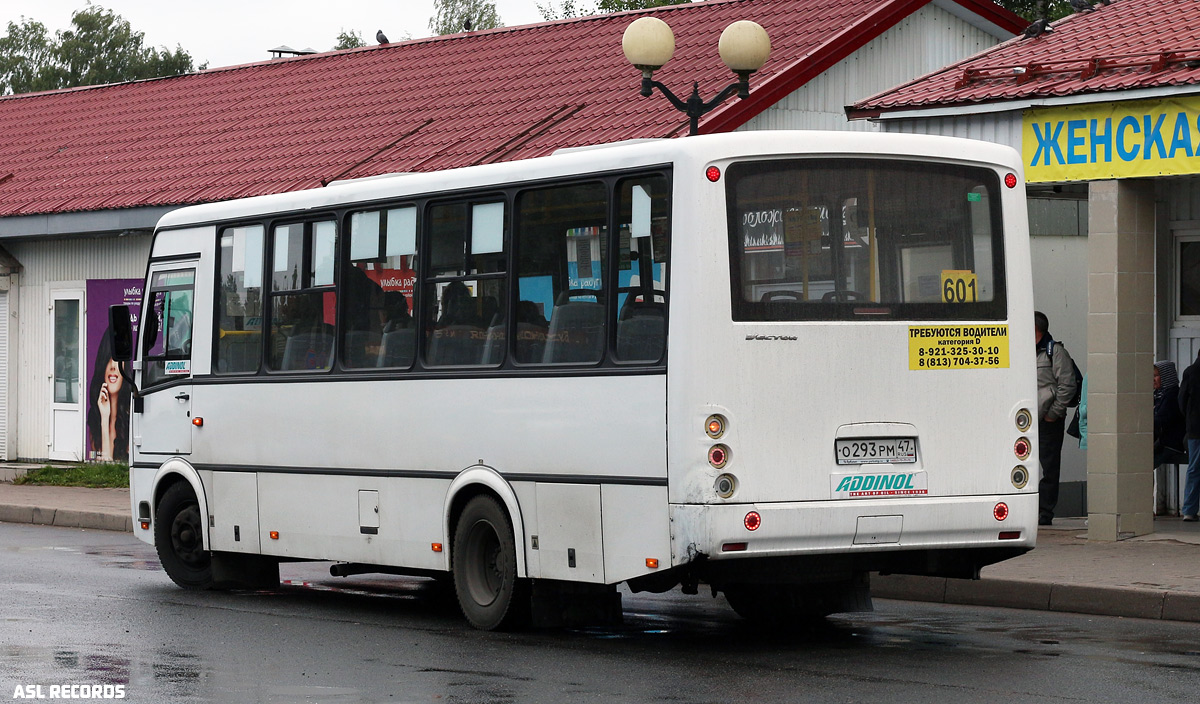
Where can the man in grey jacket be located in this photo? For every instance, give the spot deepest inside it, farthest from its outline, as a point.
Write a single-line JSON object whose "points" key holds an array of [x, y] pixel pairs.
{"points": [[1056, 386]]}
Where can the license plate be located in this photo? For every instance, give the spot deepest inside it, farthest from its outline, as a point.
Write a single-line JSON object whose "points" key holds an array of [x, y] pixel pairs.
{"points": [[875, 450]]}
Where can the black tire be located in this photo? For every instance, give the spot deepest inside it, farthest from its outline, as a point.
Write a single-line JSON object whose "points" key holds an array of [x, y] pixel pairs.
{"points": [[179, 538], [484, 562]]}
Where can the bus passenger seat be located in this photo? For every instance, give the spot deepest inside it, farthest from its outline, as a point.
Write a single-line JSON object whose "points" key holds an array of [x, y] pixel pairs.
{"points": [[576, 333], [456, 345], [641, 338], [398, 348], [493, 347], [239, 351], [361, 349], [309, 350]]}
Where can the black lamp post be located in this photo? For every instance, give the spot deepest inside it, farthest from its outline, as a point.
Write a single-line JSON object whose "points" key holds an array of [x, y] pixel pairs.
{"points": [[649, 43]]}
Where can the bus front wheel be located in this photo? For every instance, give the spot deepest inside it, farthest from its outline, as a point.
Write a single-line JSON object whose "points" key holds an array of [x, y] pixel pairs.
{"points": [[484, 563], [179, 538]]}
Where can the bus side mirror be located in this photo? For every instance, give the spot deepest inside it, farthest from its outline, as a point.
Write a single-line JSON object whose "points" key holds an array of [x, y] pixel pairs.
{"points": [[120, 324]]}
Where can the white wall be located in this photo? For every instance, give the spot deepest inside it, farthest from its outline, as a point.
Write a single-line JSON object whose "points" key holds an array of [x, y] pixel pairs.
{"points": [[1060, 270], [999, 127], [45, 262], [924, 41]]}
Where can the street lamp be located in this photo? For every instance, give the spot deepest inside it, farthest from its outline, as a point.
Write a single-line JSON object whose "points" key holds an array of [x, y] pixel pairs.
{"points": [[648, 43]]}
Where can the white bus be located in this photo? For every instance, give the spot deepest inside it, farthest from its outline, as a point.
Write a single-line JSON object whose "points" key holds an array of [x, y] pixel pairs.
{"points": [[768, 362]]}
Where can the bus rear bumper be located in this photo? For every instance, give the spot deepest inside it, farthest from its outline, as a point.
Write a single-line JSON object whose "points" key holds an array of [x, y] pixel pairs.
{"points": [[886, 532]]}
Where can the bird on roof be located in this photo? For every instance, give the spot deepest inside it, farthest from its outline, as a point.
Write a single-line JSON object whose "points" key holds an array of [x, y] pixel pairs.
{"points": [[1081, 5], [381, 37], [1038, 28], [467, 25]]}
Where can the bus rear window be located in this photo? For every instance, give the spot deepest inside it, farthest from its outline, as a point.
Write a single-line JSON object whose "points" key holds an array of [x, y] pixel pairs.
{"points": [[853, 239]]}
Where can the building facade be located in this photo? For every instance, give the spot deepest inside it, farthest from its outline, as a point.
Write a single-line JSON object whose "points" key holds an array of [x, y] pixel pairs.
{"points": [[1105, 110]]}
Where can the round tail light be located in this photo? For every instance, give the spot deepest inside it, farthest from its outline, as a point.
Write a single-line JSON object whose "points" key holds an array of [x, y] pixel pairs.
{"points": [[718, 456], [1024, 419], [1001, 511], [1020, 476], [752, 520], [1021, 448]]}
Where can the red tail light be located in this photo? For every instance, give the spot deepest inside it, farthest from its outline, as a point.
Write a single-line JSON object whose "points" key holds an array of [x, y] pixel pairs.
{"points": [[753, 520], [1021, 448]]}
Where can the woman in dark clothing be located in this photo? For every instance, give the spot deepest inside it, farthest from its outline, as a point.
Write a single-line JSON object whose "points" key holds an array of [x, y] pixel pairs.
{"points": [[1169, 445]]}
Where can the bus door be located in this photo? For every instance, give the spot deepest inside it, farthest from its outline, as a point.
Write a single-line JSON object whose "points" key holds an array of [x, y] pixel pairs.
{"points": [[163, 422]]}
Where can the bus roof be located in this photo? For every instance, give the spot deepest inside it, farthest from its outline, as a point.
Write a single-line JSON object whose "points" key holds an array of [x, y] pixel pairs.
{"points": [[602, 158]]}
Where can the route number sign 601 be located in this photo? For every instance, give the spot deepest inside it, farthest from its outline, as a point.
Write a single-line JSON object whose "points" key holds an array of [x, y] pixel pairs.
{"points": [[959, 286]]}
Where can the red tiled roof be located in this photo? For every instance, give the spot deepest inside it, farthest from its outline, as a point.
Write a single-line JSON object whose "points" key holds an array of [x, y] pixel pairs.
{"points": [[1129, 44], [422, 105]]}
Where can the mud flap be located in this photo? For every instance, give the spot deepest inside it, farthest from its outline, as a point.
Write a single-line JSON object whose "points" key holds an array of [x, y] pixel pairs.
{"points": [[235, 570], [558, 604]]}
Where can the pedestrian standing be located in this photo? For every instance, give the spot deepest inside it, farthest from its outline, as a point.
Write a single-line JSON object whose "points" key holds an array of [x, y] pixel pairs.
{"points": [[1189, 404], [1056, 387]]}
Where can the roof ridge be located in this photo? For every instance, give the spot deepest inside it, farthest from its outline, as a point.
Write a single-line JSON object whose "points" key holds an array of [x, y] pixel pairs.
{"points": [[457, 36]]}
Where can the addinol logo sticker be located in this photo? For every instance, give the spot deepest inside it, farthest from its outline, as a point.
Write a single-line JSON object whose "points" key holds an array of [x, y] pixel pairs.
{"points": [[855, 486], [179, 366]]}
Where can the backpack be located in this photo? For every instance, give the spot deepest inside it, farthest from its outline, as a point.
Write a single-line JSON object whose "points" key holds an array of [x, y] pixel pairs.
{"points": [[1074, 400]]}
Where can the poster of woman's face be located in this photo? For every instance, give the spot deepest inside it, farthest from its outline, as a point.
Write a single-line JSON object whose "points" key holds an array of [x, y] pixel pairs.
{"points": [[109, 395]]}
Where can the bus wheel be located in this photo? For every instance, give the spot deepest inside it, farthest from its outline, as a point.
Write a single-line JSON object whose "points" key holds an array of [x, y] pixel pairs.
{"points": [[484, 562], [179, 538]]}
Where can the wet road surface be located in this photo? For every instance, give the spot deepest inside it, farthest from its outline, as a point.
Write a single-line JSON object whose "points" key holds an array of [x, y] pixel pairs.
{"points": [[94, 608]]}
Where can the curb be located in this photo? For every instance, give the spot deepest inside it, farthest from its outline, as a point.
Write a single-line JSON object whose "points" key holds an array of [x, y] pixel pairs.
{"points": [[8, 474], [66, 518], [1126, 602]]}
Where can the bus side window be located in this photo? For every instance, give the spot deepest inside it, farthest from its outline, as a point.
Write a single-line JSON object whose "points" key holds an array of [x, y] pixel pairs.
{"points": [[303, 301], [643, 211], [378, 287], [239, 300], [562, 245], [465, 291]]}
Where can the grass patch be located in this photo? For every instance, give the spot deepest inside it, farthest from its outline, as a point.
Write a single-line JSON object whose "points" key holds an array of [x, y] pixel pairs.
{"points": [[113, 474]]}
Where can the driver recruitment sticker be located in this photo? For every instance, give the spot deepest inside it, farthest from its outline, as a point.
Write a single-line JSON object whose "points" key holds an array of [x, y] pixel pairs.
{"points": [[958, 347]]}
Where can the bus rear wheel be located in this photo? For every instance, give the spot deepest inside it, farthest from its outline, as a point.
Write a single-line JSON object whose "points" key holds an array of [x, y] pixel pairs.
{"points": [[179, 538], [484, 563]]}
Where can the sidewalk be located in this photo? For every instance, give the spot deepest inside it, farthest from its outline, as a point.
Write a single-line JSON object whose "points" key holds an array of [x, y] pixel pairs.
{"points": [[1154, 576], [66, 506]]}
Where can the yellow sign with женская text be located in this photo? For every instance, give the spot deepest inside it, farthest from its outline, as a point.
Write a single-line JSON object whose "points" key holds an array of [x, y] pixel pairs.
{"points": [[1112, 140]]}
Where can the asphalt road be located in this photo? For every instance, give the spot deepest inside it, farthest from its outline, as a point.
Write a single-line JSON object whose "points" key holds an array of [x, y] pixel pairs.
{"points": [[93, 608]]}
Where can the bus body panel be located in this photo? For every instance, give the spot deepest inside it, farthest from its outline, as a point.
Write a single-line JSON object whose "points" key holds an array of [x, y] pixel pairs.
{"points": [[816, 527], [316, 516], [814, 382], [405, 450], [517, 426]]}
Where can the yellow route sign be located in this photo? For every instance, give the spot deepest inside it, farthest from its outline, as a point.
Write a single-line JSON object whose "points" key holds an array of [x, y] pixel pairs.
{"points": [[959, 286]]}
